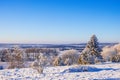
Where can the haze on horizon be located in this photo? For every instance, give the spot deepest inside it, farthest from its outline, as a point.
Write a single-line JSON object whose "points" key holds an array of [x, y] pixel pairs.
{"points": [[59, 21]]}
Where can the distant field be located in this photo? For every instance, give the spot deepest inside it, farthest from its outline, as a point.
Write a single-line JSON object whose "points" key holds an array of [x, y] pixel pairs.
{"points": [[79, 47]]}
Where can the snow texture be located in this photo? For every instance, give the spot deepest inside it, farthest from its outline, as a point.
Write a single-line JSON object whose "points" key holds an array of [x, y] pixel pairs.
{"points": [[104, 71]]}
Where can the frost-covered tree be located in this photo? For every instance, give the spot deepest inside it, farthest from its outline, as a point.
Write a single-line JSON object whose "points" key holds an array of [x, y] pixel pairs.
{"points": [[91, 53], [40, 63]]}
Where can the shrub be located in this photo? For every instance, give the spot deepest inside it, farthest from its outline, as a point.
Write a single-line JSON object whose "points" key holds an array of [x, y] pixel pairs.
{"points": [[37, 67], [115, 58], [109, 52], [56, 61], [68, 57], [39, 63]]}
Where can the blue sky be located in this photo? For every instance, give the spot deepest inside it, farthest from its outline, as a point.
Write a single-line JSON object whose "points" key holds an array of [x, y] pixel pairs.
{"points": [[59, 21]]}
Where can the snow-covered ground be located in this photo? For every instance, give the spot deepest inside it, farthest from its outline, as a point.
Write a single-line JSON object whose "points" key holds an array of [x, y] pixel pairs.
{"points": [[105, 71]]}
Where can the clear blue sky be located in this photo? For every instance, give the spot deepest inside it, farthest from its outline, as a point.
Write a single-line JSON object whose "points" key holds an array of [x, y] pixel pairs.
{"points": [[59, 21]]}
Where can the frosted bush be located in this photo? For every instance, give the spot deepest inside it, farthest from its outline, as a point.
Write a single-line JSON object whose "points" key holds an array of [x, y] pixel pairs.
{"points": [[68, 57], [117, 47], [110, 52], [115, 58], [39, 63]]}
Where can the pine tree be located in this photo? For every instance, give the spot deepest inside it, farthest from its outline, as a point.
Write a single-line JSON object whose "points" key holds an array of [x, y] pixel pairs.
{"points": [[91, 53]]}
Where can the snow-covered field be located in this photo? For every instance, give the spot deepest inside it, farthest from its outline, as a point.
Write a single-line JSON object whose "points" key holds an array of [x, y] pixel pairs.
{"points": [[105, 71]]}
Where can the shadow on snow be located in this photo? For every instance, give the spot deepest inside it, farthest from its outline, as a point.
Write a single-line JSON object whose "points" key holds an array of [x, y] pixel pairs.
{"points": [[86, 69]]}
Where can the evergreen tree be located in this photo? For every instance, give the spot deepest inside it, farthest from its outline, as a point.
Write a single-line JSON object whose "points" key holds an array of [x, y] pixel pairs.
{"points": [[91, 53]]}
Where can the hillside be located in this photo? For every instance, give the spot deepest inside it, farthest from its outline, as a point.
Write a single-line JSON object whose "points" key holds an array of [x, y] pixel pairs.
{"points": [[104, 71]]}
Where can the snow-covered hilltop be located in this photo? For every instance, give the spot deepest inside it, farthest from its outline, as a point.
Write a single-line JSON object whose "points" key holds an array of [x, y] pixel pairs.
{"points": [[105, 71], [56, 64]]}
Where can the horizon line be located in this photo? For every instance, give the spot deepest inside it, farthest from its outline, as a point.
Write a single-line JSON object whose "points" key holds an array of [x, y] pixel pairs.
{"points": [[50, 43]]}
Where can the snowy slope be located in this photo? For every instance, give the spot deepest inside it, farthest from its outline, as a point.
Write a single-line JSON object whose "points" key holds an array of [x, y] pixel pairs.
{"points": [[106, 71]]}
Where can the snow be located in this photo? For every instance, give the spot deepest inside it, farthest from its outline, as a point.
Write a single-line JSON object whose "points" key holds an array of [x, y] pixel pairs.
{"points": [[103, 71]]}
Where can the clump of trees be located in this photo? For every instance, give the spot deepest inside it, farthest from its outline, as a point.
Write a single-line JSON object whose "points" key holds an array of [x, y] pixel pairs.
{"points": [[32, 53], [92, 52], [15, 59]]}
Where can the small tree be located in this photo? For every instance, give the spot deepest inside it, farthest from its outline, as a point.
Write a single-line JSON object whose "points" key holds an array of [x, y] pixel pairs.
{"points": [[39, 63], [91, 52]]}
